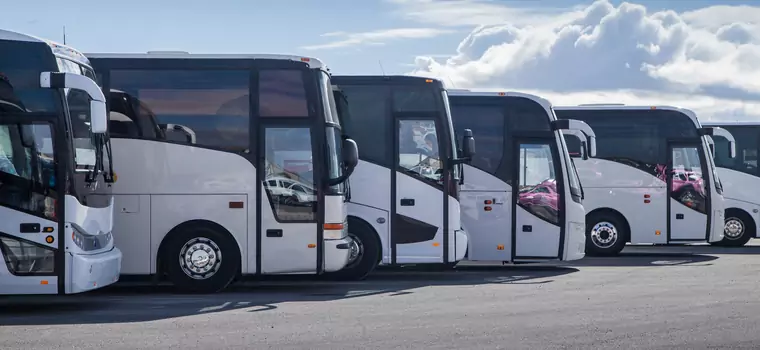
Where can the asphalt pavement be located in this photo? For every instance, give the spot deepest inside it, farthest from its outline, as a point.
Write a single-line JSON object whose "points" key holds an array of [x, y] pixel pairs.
{"points": [[692, 297]]}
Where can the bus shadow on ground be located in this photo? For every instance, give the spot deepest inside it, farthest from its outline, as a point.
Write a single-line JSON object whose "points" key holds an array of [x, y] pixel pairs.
{"points": [[693, 249], [641, 259], [131, 303]]}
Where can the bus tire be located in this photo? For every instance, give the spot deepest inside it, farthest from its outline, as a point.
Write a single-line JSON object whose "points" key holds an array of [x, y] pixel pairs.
{"points": [[606, 234], [201, 258], [367, 246], [738, 228]]}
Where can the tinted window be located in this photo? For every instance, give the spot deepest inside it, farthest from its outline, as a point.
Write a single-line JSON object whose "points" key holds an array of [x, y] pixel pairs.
{"points": [[282, 93], [20, 66], [418, 149], [526, 114], [746, 149], [208, 106], [487, 124], [573, 145], [290, 174], [415, 99], [634, 137], [368, 121]]}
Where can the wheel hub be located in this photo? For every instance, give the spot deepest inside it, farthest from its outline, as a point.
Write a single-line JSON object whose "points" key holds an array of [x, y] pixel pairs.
{"points": [[604, 234], [356, 249], [734, 228], [200, 258]]}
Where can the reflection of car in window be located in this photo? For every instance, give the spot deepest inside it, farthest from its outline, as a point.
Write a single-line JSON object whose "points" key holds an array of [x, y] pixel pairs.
{"points": [[290, 191]]}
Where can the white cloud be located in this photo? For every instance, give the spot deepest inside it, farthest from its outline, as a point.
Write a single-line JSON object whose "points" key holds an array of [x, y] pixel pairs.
{"points": [[477, 12], [378, 37], [707, 60]]}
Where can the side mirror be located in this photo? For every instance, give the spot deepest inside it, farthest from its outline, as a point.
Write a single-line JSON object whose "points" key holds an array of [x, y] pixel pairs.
{"points": [[350, 153], [27, 136], [577, 144], [468, 144], [571, 125], [189, 133], [720, 132], [98, 117], [98, 111]]}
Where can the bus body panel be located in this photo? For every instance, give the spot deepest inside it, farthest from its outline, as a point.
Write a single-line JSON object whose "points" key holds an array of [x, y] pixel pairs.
{"points": [[736, 195], [575, 239], [92, 271], [488, 230], [418, 209]]}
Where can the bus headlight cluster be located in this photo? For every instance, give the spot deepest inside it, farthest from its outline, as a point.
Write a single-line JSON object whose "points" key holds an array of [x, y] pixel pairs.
{"points": [[90, 242]]}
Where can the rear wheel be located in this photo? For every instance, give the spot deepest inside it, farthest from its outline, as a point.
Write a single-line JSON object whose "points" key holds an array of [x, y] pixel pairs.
{"points": [[201, 259], [606, 234]]}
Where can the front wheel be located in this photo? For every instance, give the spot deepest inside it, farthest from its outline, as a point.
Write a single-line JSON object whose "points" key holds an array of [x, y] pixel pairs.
{"points": [[201, 259], [364, 253], [606, 235], [737, 230]]}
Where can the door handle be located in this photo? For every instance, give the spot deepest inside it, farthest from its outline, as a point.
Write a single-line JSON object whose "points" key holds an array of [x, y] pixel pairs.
{"points": [[527, 228], [679, 216], [274, 233], [407, 202]]}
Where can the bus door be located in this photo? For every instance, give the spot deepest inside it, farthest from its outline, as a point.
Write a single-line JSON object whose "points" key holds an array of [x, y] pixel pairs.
{"points": [[288, 207], [32, 248], [689, 196], [537, 198], [420, 218]]}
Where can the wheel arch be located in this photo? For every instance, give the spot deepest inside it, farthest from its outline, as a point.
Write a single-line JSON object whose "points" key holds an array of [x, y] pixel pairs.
{"points": [[751, 223], [359, 224]]}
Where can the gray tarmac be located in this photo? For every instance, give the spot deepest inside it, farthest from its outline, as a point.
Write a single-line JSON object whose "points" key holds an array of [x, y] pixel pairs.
{"points": [[689, 297]]}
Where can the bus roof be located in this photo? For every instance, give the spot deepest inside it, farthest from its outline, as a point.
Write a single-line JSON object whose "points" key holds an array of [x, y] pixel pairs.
{"points": [[474, 92], [312, 62], [59, 50], [620, 106], [384, 79]]}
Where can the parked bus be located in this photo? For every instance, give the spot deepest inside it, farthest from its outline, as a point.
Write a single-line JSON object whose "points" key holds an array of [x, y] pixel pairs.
{"points": [[738, 174], [653, 180], [53, 153], [404, 206], [229, 165], [521, 198]]}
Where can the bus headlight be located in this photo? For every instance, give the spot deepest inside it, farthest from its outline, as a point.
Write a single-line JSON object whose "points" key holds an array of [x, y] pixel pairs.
{"points": [[335, 231], [90, 242]]}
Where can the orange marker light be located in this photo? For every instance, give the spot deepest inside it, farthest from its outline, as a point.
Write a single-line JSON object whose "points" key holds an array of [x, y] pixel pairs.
{"points": [[428, 80], [47, 229], [44, 282], [305, 59], [312, 245], [657, 233], [502, 94], [436, 244], [49, 239], [332, 226], [500, 247]]}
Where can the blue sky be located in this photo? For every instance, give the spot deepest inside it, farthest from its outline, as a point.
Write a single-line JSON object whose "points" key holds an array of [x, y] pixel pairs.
{"points": [[642, 54]]}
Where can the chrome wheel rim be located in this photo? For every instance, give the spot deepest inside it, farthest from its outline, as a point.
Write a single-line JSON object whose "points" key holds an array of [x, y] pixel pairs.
{"points": [[200, 258], [356, 250], [604, 234], [734, 228]]}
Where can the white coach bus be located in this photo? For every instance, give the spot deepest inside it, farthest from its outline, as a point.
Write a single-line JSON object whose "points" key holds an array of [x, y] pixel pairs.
{"points": [[53, 153], [521, 199], [740, 178], [653, 180], [228, 165], [404, 193]]}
